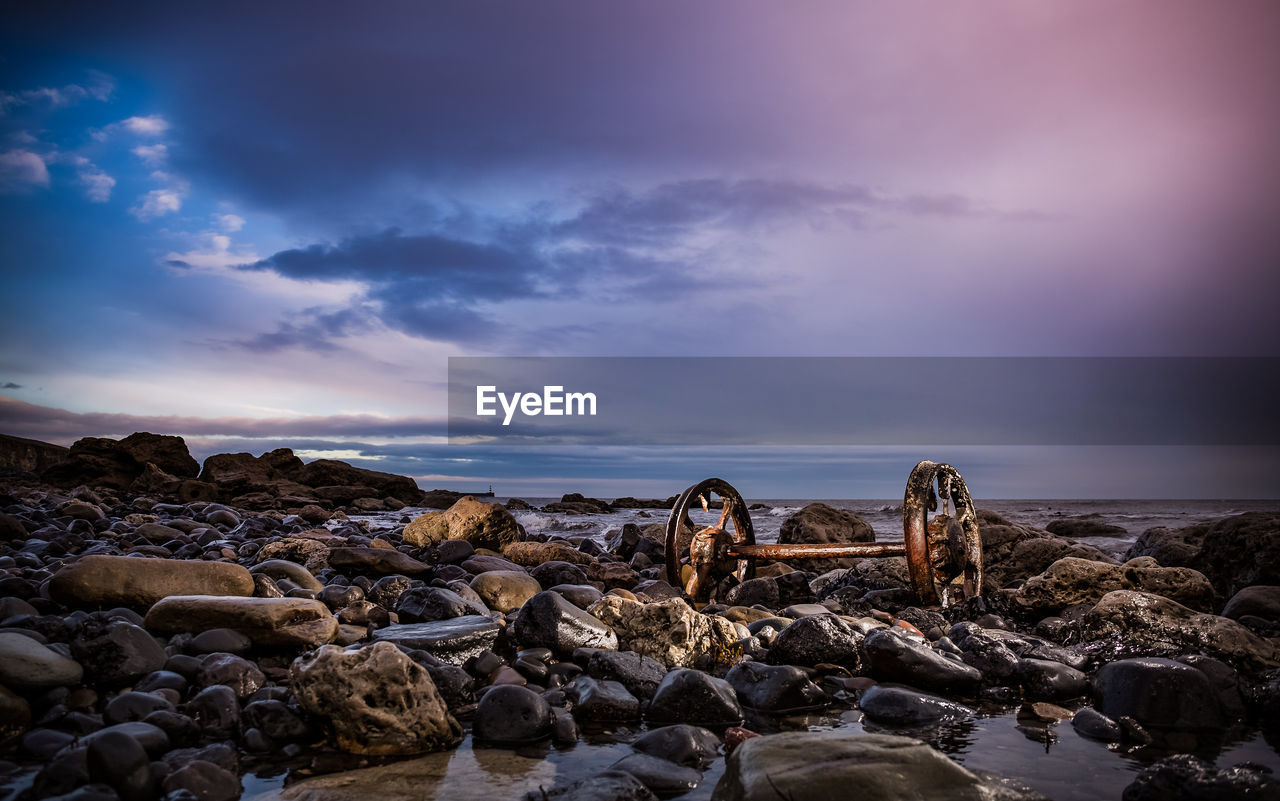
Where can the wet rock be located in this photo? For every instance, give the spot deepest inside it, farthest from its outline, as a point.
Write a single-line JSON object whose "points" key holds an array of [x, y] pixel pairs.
{"points": [[691, 696], [26, 664], [205, 780], [1053, 681], [386, 591], [661, 776], [1254, 534], [893, 657], [1188, 778], [376, 560], [681, 743], [795, 765], [1128, 623], [1259, 601], [1091, 723], [1071, 581], [763, 591], [454, 641], [220, 641], [608, 786], [277, 720], [820, 523], [818, 639], [217, 710], [1159, 693], [505, 590], [266, 621], [238, 673], [103, 581], [434, 603], [989, 655], [15, 714], [669, 631], [550, 574], [511, 715], [484, 525], [117, 653], [639, 674], [120, 762], [454, 551], [899, 706], [774, 688], [547, 620], [1170, 547], [601, 700], [377, 699]]}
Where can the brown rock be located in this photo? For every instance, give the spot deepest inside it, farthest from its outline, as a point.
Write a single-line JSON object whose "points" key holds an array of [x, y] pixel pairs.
{"points": [[1072, 581], [484, 525], [106, 581], [267, 621], [820, 523], [531, 554]]}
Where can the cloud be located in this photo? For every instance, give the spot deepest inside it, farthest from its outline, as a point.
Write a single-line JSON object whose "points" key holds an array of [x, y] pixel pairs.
{"points": [[157, 203], [230, 223], [152, 155], [22, 169], [99, 87], [97, 185], [44, 422], [152, 125], [10, 385]]}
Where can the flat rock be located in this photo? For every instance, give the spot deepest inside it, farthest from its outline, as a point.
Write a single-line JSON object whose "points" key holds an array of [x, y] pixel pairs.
{"points": [[840, 764], [266, 621], [454, 640], [107, 581], [377, 560]]}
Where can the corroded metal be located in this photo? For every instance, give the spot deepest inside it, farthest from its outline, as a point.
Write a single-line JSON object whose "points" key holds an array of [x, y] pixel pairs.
{"points": [[944, 554], [708, 559]]}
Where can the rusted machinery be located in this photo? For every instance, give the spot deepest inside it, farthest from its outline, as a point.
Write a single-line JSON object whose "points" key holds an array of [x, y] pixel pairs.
{"points": [[944, 553]]}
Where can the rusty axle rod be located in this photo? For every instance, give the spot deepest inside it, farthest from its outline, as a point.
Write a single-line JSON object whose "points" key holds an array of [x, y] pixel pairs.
{"points": [[816, 550]]}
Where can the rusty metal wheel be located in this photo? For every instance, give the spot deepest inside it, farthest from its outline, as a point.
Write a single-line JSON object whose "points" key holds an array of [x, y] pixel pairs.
{"points": [[707, 549], [944, 553]]}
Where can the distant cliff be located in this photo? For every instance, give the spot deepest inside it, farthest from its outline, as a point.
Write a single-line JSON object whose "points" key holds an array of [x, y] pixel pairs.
{"points": [[28, 455]]}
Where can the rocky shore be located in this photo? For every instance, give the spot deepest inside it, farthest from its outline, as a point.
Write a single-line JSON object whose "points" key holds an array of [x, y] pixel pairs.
{"points": [[167, 628]]}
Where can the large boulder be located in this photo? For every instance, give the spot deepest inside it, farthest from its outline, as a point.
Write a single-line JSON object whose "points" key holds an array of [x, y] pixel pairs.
{"points": [[99, 580], [330, 473], [669, 631], [820, 523], [377, 700], [1084, 526], [1159, 693], [118, 463], [843, 764], [484, 525], [1171, 547], [1072, 581], [299, 622], [22, 455], [892, 656], [1125, 623], [1012, 552], [1240, 551], [547, 620], [236, 474]]}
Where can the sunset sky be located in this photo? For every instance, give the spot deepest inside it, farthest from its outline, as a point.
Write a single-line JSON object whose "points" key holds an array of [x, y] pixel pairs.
{"points": [[263, 225]]}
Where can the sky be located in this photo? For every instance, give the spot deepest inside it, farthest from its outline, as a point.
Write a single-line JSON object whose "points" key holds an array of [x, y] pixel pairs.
{"points": [[259, 225]]}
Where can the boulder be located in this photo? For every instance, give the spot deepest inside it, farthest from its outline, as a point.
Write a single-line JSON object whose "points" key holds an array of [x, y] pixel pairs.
{"points": [[601, 700], [454, 640], [639, 674], [1260, 600], [575, 503], [842, 764], [116, 652], [818, 639], [236, 474], [669, 631], [547, 620], [98, 580], [1159, 693], [531, 554], [774, 688], [1085, 526], [900, 706], [377, 700], [681, 743], [98, 461], [299, 622], [330, 473], [1185, 777], [505, 590], [22, 455], [820, 523], [1126, 623], [512, 715], [691, 696], [892, 656], [1072, 581], [1241, 551], [484, 525]]}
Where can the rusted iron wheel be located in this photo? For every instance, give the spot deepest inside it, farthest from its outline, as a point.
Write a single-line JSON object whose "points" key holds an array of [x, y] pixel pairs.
{"points": [[712, 539], [944, 554]]}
